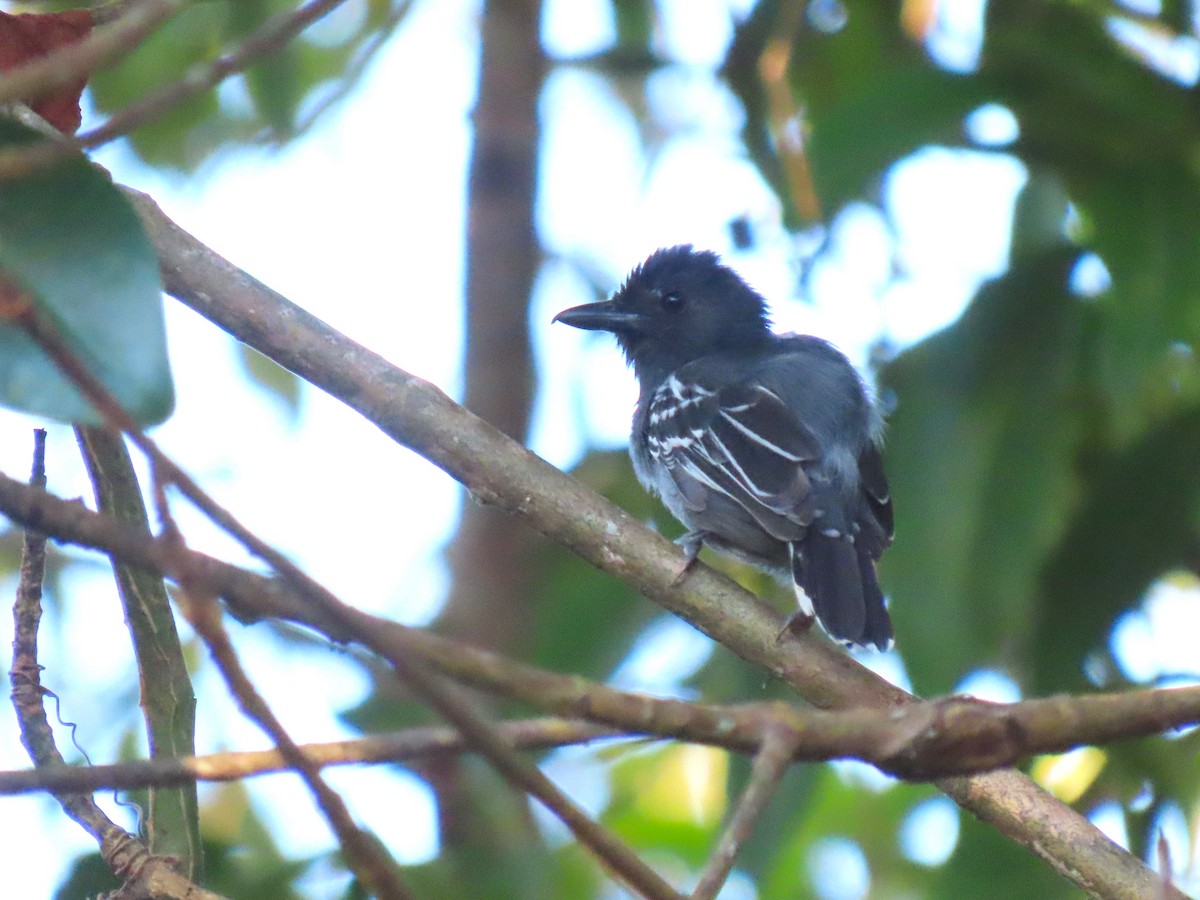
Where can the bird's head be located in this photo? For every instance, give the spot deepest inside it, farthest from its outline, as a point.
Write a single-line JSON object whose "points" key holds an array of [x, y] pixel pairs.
{"points": [[677, 306]]}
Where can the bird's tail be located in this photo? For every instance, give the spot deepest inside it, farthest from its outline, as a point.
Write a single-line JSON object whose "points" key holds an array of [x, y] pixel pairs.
{"points": [[839, 581]]}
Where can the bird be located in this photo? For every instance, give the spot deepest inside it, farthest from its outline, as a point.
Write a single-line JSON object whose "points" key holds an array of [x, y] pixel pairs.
{"points": [[765, 446]]}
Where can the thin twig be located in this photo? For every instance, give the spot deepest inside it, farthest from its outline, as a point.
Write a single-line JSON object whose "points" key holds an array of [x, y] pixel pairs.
{"points": [[771, 761], [402, 746], [74, 62], [271, 37], [25, 675], [365, 856], [609, 849], [377, 871]]}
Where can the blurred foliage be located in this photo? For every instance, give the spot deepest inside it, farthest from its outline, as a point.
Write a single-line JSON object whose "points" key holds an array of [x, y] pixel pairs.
{"points": [[269, 103]]}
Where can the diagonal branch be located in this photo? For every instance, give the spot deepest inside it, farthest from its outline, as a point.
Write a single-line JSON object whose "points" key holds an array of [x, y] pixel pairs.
{"points": [[500, 472], [368, 859], [771, 761], [378, 872]]}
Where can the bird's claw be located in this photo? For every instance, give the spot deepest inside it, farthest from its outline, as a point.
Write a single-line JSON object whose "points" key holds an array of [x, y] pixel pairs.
{"points": [[797, 623], [690, 543]]}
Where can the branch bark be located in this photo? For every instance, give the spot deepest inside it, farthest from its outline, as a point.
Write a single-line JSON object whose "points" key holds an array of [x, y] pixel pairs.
{"points": [[401, 746]]}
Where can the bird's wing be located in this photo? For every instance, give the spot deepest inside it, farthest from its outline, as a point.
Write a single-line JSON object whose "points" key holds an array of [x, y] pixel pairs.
{"points": [[741, 441]]}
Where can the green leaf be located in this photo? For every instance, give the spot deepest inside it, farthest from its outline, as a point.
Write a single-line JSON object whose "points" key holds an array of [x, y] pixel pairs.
{"points": [[273, 82], [70, 240], [1139, 521], [263, 102], [186, 134]]}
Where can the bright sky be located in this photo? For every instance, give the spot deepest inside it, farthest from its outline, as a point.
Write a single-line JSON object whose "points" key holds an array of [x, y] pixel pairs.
{"points": [[361, 223]]}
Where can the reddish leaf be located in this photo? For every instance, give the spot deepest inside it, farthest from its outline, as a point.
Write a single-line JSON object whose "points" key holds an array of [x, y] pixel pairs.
{"points": [[29, 36]]}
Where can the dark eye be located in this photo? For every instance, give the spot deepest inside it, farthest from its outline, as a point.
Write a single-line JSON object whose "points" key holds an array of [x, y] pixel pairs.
{"points": [[672, 301]]}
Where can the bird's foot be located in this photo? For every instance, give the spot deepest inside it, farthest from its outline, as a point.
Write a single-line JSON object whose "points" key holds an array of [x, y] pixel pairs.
{"points": [[690, 543], [796, 624]]}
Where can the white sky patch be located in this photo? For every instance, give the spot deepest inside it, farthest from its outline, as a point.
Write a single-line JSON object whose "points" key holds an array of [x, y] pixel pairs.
{"points": [[888, 666], [664, 655], [583, 775], [929, 832], [1090, 277], [695, 32], [337, 26], [1109, 817], [952, 211], [992, 125], [1177, 57], [838, 869], [573, 28], [956, 39], [989, 684], [1158, 640]]}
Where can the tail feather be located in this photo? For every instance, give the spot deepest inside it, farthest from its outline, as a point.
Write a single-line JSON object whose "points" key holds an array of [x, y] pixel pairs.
{"points": [[878, 630], [839, 578]]}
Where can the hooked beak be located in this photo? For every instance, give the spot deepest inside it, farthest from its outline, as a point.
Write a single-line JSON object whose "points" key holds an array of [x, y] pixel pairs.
{"points": [[602, 316]]}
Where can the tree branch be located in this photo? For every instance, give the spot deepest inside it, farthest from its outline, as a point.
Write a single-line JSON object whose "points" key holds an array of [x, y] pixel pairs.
{"points": [[919, 741], [771, 761], [399, 747], [498, 471], [368, 859]]}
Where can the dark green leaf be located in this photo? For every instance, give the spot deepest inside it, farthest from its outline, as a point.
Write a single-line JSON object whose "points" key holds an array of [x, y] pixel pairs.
{"points": [[70, 239], [980, 452], [1138, 522]]}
